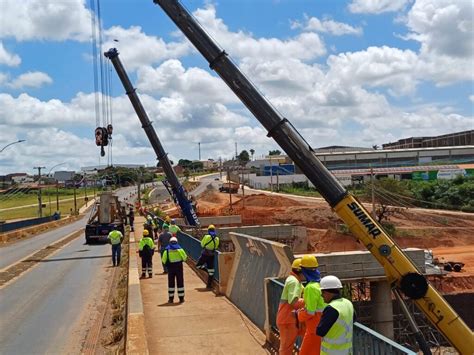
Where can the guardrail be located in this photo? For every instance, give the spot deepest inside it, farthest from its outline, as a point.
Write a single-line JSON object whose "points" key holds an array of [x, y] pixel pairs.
{"points": [[11, 226], [365, 340]]}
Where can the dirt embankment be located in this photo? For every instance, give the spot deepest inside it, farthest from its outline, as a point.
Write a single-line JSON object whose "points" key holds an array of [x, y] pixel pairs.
{"points": [[449, 235]]}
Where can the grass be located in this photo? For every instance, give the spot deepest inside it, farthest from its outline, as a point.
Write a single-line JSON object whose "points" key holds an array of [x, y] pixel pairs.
{"points": [[297, 191], [22, 199], [32, 212]]}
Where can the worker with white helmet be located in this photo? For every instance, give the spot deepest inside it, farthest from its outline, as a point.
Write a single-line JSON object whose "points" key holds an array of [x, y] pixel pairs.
{"points": [[173, 258], [290, 301], [335, 326]]}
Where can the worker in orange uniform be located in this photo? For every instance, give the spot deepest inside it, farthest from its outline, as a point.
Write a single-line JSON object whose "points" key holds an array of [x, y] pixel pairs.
{"points": [[313, 306], [290, 301]]}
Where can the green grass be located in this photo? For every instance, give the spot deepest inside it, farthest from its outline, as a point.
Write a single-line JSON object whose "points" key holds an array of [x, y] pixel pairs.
{"points": [[32, 197], [298, 191]]}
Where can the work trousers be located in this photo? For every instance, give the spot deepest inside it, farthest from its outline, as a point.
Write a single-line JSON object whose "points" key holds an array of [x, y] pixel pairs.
{"points": [[288, 335], [116, 253], [311, 344], [175, 278], [131, 223], [147, 264], [206, 261]]}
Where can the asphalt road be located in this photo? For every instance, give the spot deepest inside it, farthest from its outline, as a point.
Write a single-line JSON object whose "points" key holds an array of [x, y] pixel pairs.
{"points": [[44, 310]]}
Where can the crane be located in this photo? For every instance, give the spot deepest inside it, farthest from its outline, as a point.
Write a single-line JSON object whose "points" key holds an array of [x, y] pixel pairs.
{"points": [[401, 273], [176, 189]]}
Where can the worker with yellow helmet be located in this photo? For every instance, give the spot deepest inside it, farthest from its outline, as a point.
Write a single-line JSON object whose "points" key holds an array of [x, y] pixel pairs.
{"points": [[313, 305], [290, 301], [209, 245], [146, 249]]}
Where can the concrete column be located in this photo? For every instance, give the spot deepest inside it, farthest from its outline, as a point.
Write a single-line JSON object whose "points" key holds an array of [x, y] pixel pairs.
{"points": [[382, 311]]}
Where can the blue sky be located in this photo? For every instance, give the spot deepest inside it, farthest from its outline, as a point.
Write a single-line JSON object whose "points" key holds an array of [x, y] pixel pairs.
{"points": [[343, 72]]}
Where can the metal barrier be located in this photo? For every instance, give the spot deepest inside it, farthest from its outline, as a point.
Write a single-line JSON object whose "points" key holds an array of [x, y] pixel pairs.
{"points": [[365, 340], [7, 227]]}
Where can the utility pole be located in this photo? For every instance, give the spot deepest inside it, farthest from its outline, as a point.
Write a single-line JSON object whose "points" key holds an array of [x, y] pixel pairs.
{"points": [[40, 203], [220, 168], [57, 196], [199, 148], [230, 191], [75, 200], [271, 174], [236, 150]]}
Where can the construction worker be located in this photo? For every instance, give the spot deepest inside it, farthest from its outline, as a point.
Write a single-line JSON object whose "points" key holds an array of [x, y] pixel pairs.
{"points": [[168, 220], [146, 249], [115, 238], [313, 305], [154, 225], [335, 326], [174, 229], [163, 242], [173, 258], [290, 301], [209, 245], [131, 218]]}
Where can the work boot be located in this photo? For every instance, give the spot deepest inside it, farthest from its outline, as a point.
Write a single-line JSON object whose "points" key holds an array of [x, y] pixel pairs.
{"points": [[181, 299], [209, 282], [170, 300], [143, 276], [150, 276]]}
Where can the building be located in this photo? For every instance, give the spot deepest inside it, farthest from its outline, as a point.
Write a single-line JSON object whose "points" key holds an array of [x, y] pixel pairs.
{"points": [[63, 176], [463, 138]]}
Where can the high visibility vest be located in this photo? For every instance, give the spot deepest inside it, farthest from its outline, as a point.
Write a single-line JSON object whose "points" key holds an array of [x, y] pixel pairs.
{"points": [[174, 255], [115, 237], [338, 341], [208, 243], [313, 298], [146, 241], [174, 229]]}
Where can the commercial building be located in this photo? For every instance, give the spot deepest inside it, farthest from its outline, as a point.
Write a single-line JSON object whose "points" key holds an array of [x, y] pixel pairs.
{"points": [[463, 138]]}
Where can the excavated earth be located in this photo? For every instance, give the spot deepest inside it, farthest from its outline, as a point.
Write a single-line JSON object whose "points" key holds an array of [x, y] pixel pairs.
{"points": [[448, 234]]}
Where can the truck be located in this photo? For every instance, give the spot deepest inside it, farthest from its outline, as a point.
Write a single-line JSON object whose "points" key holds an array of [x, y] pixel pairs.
{"points": [[172, 183], [106, 215], [401, 273], [229, 187]]}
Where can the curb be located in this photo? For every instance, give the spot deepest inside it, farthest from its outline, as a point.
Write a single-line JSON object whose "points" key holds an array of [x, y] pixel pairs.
{"points": [[136, 342]]}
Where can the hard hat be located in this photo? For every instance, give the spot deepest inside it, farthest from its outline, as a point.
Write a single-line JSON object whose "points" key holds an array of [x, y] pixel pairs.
{"points": [[309, 261], [173, 221], [156, 210], [296, 264], [211, 226], [165, 226], [167, 218], [145, 233], [173, 240], [330, 283]]}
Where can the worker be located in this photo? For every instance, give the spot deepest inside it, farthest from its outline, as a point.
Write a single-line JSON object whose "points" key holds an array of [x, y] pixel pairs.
{"points": [[146, 249], [290, 301], [163, 242], [115, 238], [335, 326], [173, 258], [154, 225], [167, 220], [313, 305], [131, 218], [209, 245], [174, 229]]}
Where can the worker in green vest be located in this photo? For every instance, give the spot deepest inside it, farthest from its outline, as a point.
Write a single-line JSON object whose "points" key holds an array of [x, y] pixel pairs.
{"points": [[209, 245], [173, 257], [115, 238], [337, 319], [174, 229], [146, 249]]}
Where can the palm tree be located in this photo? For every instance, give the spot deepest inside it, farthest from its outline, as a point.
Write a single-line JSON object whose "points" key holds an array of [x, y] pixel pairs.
{"points": [[252, 152]]}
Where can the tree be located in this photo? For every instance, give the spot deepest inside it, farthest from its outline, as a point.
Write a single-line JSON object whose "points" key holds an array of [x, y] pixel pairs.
{"points": [[243, 157], [185, 163], [274, 152], [252, 152]]}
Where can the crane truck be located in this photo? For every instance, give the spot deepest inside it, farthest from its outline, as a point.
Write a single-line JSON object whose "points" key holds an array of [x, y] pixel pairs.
{"points": [[401, 272], [172, 183]]}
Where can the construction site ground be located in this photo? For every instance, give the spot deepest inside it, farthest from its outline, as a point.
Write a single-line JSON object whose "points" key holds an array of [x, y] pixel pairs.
{"points": [[448, 234], [203, 324]]}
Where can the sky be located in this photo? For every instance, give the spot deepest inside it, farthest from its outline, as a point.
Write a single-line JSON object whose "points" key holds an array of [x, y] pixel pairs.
{"points": [[352, 73]]}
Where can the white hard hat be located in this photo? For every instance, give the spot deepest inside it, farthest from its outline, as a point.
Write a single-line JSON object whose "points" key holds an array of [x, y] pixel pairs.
{"points": [[330, 283], [173, 240]]}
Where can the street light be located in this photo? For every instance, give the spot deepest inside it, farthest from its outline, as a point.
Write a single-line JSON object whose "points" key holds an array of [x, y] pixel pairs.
{"points": [[57, 189], [9, 144]]}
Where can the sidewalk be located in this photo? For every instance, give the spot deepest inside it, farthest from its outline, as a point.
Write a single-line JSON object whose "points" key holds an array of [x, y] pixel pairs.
{"points": [[203, 324]]}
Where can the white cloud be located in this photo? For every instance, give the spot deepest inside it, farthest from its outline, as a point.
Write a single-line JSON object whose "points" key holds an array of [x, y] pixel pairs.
{"points": [[9, 59], [30, 79], [471, 98], [376, 6], [45, 20], [327, 26]]}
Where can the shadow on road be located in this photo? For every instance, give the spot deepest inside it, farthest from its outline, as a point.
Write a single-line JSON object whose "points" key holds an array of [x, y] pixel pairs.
{"points": [[65, 259]]}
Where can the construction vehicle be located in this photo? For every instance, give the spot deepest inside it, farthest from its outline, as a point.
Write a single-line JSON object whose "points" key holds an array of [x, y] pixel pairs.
{"points": [[229, 187], [172, 183], [106, 215], [401, 272]]}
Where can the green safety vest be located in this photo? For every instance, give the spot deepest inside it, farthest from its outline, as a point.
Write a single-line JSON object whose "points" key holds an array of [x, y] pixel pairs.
{"points": [[338, 341], [174, 229], [208, 243], [313, 299], [174, 256], [146, 241], [291, 290], [115, 237]]}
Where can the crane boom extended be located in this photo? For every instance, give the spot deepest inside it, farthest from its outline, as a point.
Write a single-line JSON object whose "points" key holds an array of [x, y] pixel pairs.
{"points": [[400, 270], [177, 189]]}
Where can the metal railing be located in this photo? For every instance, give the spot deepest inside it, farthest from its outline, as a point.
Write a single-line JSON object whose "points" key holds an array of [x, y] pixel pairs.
{"points": [[365, 340]]}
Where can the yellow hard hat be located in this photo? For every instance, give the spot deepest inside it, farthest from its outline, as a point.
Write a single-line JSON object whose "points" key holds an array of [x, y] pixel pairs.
{"points": [[296, 264], [167, 219], [309, 261], [145, 233], [211, 226]]}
